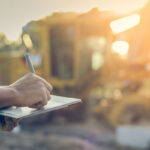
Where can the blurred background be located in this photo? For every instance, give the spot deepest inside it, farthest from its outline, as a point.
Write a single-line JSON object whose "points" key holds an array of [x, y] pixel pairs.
{"points": [[96, 50]]}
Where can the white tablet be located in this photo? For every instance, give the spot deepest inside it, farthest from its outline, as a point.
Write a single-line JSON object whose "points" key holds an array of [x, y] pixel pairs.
{"points": [[56, 102]]}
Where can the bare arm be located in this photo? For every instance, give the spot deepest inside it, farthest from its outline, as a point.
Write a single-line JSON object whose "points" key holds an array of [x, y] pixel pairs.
{"points": [[7, 96], [30, 91]]}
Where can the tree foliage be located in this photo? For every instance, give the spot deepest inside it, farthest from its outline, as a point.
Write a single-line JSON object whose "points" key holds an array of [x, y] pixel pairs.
{"points": [[6, 45]]}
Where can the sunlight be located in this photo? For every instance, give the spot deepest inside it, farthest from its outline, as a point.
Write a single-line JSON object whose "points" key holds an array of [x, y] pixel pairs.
{"points": [[21, 15], [120, 47], [122, 6], [125, 23]]}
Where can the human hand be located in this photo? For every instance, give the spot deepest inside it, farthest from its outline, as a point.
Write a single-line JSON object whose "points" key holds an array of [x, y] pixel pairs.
{"points": [[31, 91]]}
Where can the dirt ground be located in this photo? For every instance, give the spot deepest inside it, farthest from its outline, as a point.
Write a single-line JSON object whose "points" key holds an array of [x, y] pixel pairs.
{"points": [[55, 136]]}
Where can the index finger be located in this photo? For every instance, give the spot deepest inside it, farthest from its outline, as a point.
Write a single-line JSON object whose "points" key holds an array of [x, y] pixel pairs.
{"points": [[48, 85]]}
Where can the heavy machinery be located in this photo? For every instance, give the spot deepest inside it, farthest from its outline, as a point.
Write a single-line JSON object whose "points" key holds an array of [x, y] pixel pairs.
{"points": [[68, 44], [67, 49]]}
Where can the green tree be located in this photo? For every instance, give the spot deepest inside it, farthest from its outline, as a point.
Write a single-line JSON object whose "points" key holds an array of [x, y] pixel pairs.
{"points": [[6, 45]]}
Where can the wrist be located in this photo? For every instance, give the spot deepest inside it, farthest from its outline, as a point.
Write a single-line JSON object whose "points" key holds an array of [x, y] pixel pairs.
{"points": [[13, 96], [8, 96]]}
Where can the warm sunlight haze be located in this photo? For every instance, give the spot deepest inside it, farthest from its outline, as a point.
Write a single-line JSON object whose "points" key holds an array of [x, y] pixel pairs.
{"points": [[122, 6], [16, 13]]}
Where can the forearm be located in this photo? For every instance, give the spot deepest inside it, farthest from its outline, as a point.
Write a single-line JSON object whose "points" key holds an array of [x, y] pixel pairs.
{"points": [[7, 96]]}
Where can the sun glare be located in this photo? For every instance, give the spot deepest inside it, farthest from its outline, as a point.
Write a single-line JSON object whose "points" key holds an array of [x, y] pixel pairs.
{"points": [[122, 6], [125, 23], [120, 47]]}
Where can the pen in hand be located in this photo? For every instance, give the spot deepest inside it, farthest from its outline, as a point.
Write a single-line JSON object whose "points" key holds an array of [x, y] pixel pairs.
{"points": [[31, 68], [29, 63]]}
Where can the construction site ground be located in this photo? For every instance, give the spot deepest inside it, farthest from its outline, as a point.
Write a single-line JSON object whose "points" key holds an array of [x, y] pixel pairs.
{"points": [[89, 135]]}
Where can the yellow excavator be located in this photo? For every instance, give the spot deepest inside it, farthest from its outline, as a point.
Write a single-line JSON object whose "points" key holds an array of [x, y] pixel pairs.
{"points": [[67, 49]]}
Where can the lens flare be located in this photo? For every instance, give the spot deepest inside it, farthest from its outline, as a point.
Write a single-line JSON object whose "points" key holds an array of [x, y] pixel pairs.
{"points": [[125, 23], [120, 47]]}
